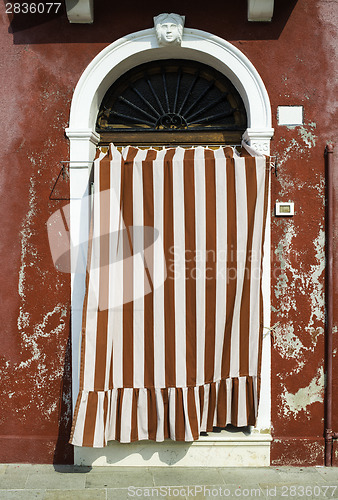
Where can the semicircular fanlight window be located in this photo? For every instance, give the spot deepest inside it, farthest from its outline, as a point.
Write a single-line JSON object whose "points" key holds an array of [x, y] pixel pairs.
{"points": [[172, 95]]}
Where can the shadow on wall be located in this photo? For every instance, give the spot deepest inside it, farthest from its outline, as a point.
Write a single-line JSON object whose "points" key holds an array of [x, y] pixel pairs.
{"points": [[112, 21], [64, 453]]}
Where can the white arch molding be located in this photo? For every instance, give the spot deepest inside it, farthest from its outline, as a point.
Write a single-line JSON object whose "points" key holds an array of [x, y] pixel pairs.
{"points": [[141, 47], [104, 69]]}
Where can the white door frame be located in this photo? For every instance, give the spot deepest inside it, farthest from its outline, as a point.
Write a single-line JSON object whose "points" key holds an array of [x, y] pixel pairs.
{"points": [[103, 70]]}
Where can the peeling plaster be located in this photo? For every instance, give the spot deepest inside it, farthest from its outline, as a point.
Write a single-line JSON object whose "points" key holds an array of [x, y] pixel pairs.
{"points": [[298, 148], [282, 252], [37, 328], [287, 181], [328, 16], [312, 450], [286, 342], [294, 280], [307, 134], [312, 280], [293, 339], [26, 234], [40, 331], [304, 397]]}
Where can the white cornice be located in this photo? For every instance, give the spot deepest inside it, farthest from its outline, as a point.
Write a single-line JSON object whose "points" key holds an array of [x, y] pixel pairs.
{"points": [[260, 10], [80, 11], [81, 134], [266, 133]]}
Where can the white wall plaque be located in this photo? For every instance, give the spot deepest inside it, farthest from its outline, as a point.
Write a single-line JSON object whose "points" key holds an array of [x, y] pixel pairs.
{"points": [[290, 115]]}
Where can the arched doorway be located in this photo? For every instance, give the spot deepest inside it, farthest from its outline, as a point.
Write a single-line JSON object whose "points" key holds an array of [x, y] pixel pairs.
{"points": [[249, 110]]}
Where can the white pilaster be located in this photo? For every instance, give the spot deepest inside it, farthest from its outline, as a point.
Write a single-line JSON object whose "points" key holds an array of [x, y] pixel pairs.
{"points": [[259, 139], [82, 152]]}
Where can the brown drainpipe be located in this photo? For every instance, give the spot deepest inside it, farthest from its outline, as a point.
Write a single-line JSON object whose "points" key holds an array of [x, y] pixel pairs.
{"points": [[329, 434]]}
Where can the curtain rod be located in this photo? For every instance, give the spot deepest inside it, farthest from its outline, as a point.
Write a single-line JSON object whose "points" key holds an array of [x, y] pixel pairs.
{"points": [[273, 163]]}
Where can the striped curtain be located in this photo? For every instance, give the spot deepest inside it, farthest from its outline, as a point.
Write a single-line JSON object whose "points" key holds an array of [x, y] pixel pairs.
{"points": [[172, 316]]}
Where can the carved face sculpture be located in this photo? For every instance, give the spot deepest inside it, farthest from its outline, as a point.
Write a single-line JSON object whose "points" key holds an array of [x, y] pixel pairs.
{"points": [[169, 32], [169, 28]]}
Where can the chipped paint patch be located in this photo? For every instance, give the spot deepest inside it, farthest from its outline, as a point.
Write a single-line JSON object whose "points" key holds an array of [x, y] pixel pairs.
{"points": [[26, 234], [282, 252], [286, 342], [39, 331], [298, 148], [299, 305], [293, 280], [287, 181], [307, 134], [305, 396], [313, 281], [298, 451]]}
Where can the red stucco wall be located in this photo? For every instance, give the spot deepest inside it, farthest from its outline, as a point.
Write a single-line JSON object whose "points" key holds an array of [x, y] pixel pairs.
{"points": [[42, 58]]}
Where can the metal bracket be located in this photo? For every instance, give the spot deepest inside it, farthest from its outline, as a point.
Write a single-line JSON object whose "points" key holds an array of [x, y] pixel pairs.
{"points": [[65, 165], [273, 165]]}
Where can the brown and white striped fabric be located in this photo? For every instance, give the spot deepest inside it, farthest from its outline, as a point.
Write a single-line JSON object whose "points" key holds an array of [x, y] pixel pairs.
{"points": [[172, 326]]}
